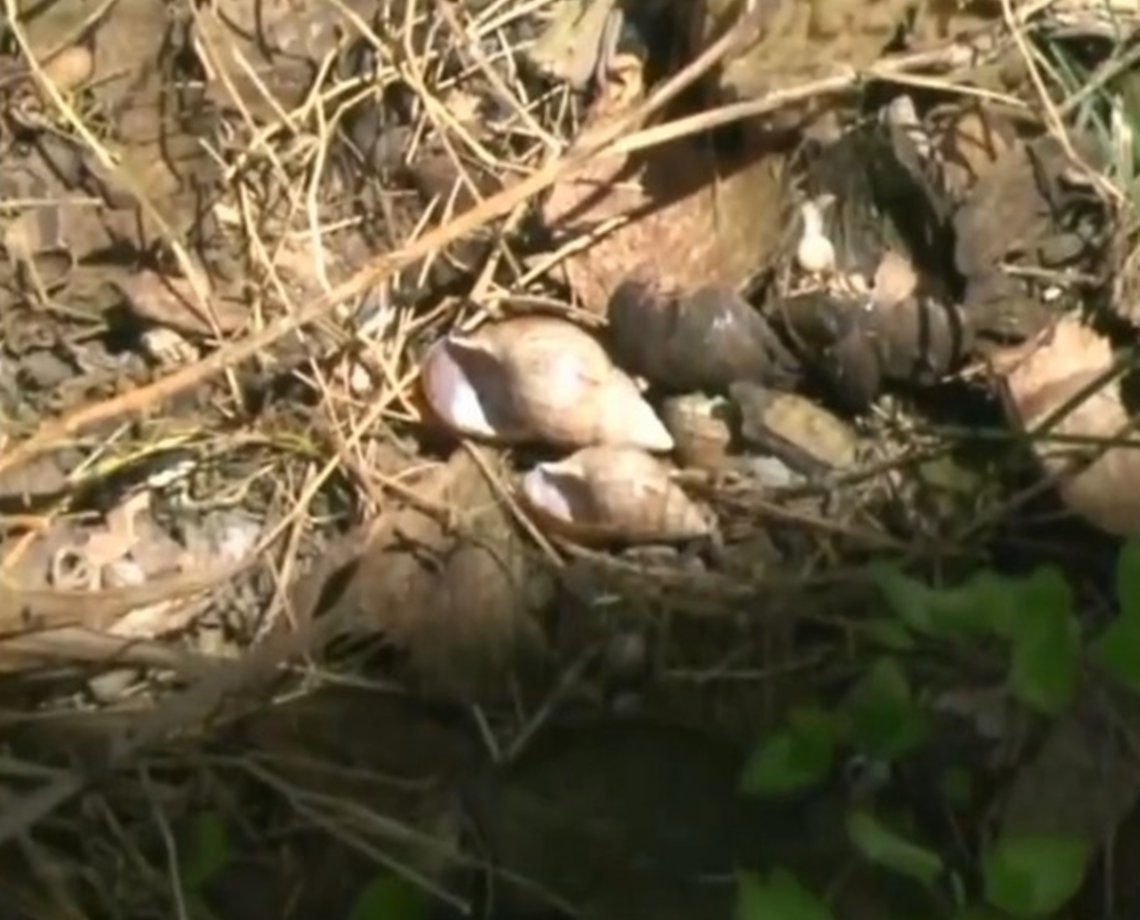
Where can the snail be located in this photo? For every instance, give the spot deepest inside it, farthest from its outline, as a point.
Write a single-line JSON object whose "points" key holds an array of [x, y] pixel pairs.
{"points": [[613, 494], [700, 427], [804, 435], [699, 341], [538, 379]]}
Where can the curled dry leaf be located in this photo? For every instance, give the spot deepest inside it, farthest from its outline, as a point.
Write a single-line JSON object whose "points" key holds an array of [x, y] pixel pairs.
{"points": [[1043, 377], [621, 494], [537, 379]]}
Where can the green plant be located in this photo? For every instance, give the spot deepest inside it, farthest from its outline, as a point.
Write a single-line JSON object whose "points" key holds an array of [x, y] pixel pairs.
{"points": [[1034, 619]]}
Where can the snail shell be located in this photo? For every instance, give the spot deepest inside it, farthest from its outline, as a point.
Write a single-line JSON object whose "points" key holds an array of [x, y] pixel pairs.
{"points": [[700, 427], [602, 494], [804, 435], [698, 341], [538, 379]]}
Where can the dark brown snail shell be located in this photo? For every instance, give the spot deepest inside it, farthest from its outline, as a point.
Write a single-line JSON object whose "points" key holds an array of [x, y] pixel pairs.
{"points": [[700, 341]]}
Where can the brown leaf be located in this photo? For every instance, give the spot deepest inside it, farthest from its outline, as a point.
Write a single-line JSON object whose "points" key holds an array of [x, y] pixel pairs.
{"points": [[693, 217], [1083, 781], [1039, 380], [799, 41], [456, 600], [970, 146], [170, 301], [692, 221]]}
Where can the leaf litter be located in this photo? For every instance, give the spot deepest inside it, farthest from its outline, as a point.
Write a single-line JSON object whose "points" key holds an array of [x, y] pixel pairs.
{"points": [[871, 265]]}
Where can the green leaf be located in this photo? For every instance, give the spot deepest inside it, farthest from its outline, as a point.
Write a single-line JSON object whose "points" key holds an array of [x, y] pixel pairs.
{"points": [[1047, 645], [793, 759], [1118, 651], [779, 897], [885, 722], [957, 787], [389, 897], [909, 599], [978, 913], [984, 604], [205, 849], [1128, 579], [879, 844], [890, 634], [1033, 876]]}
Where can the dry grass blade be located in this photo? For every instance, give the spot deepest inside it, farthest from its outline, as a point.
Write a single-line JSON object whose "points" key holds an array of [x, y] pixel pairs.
{"points": [[138, 402]]}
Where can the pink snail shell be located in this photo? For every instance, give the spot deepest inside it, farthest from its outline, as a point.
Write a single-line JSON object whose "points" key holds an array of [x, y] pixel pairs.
{"points": [[538, 379], [606, 493]]}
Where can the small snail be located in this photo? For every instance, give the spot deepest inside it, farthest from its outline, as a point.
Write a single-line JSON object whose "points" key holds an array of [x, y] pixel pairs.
{"points": [[701, 429], [613, 494], [538, 379]]}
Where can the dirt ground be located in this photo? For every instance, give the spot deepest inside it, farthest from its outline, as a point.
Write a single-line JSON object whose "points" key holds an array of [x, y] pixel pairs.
{"points": [[442, 442]]}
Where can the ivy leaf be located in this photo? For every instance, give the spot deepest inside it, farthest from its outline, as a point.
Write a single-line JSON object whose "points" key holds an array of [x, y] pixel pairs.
{"points": [[1128, 579], [879, 844], [1034, 876], [389, 897], [779, 897], [793, 759], [886, 723], [1118, 651], [1047, 644]]}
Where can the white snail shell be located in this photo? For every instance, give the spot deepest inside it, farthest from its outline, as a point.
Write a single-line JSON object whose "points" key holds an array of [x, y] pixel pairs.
{"points": [[613, 493], [538, 379]]}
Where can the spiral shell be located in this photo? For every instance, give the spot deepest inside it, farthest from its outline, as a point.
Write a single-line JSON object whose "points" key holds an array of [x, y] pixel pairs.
{"points": [[621, 494], [538, 379], [700, 427], [699, 340]]}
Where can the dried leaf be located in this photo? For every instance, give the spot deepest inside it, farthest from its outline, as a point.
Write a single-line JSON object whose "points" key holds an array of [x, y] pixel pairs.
{"points": [[1039, 381], [568, 49], [692, 217], [455, 599], [970, 146], [170, 301]]}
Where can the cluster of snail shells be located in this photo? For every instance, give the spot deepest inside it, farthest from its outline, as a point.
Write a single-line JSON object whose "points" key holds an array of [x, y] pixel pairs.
{"points": [[545, 380]]}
